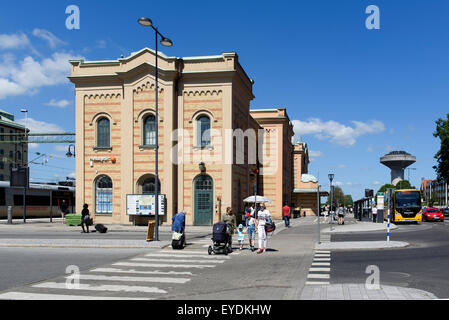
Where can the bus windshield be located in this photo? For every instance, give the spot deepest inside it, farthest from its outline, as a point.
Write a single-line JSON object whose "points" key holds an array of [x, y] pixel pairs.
{"points": [[408, 199]]}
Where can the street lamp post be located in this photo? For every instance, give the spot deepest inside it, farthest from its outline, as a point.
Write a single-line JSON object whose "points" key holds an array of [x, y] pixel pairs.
{"points": [[146, 22], [331, 177], [27, 177]]}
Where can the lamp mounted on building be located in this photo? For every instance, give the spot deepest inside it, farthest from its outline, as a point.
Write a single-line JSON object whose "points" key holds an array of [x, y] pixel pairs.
{"points": [[146, 22], [202, 167], [69, 154]]}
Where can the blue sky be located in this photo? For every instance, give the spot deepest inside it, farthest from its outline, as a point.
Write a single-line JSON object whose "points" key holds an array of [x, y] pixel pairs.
{"points": [[354, 94]]}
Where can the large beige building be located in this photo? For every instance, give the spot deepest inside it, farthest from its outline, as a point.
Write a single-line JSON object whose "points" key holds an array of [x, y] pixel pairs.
{"points": [[209, 139]]}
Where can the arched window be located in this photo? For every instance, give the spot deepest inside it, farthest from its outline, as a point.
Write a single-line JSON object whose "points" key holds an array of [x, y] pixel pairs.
{"points": [[103, 195], [149, 186], [103, 133], [149, 131], [203, 131]]}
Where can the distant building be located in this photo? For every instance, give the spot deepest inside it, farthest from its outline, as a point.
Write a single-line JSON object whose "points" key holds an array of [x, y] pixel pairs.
{"points": [[12, 155], [435, 190]]}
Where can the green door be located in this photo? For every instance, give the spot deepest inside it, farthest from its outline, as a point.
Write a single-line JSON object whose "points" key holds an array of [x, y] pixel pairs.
{"points": [[204, 209]]}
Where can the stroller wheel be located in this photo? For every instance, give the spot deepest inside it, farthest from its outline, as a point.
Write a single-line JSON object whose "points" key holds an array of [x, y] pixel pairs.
{"points": [[209, 250]]}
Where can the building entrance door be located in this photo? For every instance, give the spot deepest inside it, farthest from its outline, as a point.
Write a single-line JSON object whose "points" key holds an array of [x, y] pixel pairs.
{"points": [[204, 207]]}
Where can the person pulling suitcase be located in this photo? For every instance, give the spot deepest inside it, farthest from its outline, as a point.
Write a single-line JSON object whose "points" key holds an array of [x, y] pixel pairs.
{"points": [[178, 228]]}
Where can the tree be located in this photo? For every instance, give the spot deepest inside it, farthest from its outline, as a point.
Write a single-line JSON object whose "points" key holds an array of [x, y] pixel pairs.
{"points": [[348, 200], [442, 156], [404, 184], [385, 187]]}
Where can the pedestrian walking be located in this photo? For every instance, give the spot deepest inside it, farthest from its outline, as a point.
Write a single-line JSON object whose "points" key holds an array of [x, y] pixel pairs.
{"points": [[85, 218], [251, 231], [341, 214], [64, 208], [231, 223], [247, 215], [241, 235], [286, 215], [374, 211], [262, 217], [178, 228]]}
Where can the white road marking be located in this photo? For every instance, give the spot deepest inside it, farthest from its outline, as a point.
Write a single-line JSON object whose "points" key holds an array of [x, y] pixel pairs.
{"points": [[317, 283], [159, 265], [133, 271], [186, 256], [114, 288], [44, 296], [318, 276], [176, 260], [319, 269], [127, 278], [321, 259], [322, 251]]}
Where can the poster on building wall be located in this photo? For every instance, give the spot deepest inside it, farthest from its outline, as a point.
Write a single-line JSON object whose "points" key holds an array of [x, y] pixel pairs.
{"points": [[144, 204]]}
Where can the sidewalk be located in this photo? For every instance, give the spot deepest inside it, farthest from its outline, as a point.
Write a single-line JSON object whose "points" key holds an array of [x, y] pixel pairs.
{"points": [[354, 226], [43, 225], [360, 292]]}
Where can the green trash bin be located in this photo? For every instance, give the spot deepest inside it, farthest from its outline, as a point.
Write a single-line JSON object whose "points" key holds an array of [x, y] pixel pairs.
{"points": [[73, 220]]}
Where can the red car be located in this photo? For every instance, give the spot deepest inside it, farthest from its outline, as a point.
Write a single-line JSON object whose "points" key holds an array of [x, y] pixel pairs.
{"points": [[432, 214]]}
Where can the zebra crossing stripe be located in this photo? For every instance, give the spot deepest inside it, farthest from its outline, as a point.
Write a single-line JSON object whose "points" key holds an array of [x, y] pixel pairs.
{"points": [[320, 264], [317, 283], [133, 271], [319, 269], [44, 296], [164, 255], [89, 287], [182, 252], [318, 276], [159, 265], [321, 259], [176, 260], [127, 278]]}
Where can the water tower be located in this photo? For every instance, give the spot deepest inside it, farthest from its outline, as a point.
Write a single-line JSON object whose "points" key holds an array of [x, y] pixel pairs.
{"points": [[397, 161]]}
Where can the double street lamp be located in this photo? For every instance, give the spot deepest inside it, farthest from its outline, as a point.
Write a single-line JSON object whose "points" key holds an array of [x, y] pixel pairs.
{"points": [[146, 22]]}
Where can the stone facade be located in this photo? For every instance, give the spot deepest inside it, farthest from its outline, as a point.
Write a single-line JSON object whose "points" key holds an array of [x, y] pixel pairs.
{"points": [[201, 176]]}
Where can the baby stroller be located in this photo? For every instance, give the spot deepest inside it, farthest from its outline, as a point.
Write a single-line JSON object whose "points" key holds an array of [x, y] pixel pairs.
{"points": [[220, 239]]}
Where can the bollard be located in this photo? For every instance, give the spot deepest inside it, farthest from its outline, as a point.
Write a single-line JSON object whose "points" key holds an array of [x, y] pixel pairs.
{"points": [[9, 215]]}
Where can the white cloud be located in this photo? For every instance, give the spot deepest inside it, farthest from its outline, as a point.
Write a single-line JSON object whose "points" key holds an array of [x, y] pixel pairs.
{"points": [[370, 149], [62, 148], [336, 132], [377, 183], [46, 35], [315, 154], [33, 146], [60, 104], [28, 75], [36, 126], [14, 41], [338, 183]]}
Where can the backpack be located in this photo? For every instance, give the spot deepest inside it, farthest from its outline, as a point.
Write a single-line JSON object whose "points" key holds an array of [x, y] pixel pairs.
{"points": [[270, 226]]}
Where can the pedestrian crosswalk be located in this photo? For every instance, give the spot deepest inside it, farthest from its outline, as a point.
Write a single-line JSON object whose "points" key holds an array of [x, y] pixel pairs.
{"points": [[152, 275], [319, 271]]}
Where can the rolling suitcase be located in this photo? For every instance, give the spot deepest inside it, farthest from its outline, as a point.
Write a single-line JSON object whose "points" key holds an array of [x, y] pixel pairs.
{"points": [[178, 241], [101, 228]]}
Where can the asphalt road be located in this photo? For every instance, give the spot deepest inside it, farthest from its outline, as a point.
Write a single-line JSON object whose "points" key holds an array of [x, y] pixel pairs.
{"points": [[422, 265], [21, 266], [280, 273]]}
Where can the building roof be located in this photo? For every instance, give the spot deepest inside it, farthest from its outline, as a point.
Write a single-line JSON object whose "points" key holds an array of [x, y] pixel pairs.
{"points": [[7, 119]]}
